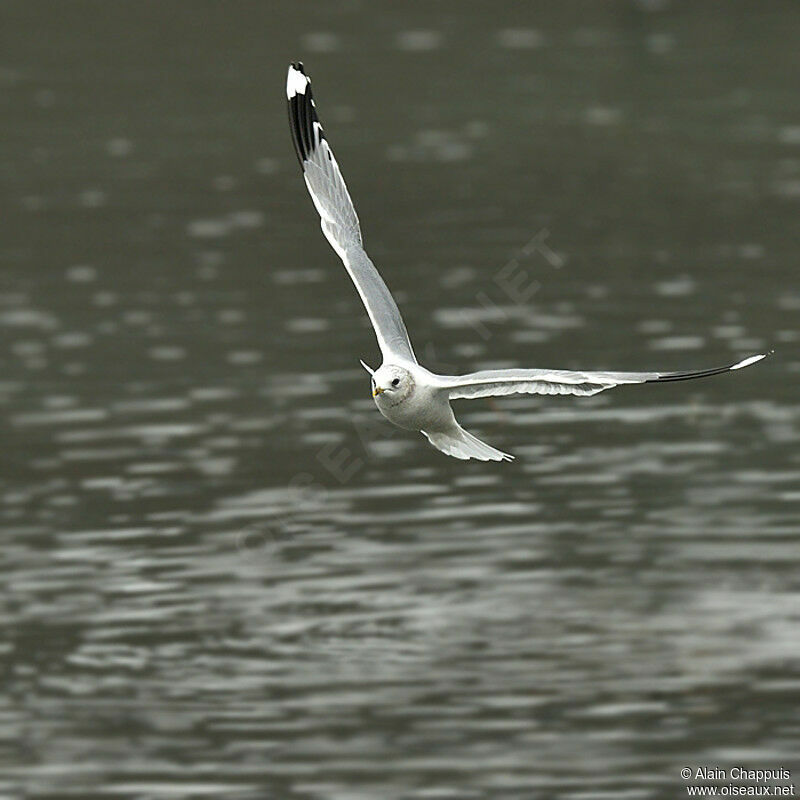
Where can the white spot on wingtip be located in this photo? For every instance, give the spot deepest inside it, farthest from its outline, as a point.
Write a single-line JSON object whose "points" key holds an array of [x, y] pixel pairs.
{"points": [[748, 361], [296, 83]]}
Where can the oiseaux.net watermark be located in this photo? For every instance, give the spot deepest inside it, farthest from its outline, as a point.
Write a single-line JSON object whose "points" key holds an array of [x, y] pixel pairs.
{"points": [[707, 781], [511, 286]]}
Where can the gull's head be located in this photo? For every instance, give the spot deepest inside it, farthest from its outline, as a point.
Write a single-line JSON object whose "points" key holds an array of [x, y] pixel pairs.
{"points": [[391, 385]]}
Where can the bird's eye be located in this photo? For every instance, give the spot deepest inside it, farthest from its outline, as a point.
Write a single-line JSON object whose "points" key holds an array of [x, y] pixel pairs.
{"points": [[396, 382]]}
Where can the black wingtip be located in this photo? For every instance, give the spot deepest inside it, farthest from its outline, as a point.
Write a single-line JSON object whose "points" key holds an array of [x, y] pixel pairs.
{"points": [[298, 97], [706, 373], [303, 121]]}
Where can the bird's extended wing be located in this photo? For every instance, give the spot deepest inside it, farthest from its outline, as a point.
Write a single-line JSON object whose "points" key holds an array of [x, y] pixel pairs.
{"points": [[338, 217], [556, 381]]}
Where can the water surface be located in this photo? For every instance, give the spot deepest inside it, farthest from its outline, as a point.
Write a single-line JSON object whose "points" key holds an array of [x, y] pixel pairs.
{"points": [[224, 574]]}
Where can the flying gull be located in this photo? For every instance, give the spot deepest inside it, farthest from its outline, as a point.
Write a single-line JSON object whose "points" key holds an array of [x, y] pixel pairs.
{"points": [[406, 393]]}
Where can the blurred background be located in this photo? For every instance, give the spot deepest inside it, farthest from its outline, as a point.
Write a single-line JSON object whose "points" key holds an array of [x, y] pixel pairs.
{"points": [[223, 573]]}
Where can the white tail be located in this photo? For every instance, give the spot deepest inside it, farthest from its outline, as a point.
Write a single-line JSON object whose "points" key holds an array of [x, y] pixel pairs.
{"points": [[462, 444]]}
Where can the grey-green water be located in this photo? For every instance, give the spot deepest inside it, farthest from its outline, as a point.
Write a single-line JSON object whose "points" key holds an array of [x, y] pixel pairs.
{"points": [[196, 601]]}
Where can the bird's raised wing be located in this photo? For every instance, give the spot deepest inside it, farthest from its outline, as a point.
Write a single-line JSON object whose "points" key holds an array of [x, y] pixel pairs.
{"points": [[557, 381], [338, 217]]}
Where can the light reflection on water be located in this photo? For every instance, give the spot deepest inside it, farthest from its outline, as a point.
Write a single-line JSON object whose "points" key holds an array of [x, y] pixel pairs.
{"points": [[225, 575]]}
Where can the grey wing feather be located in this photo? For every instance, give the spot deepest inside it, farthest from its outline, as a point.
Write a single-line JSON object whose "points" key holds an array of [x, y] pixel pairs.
{"points": [[338, 217], [546, 381]]}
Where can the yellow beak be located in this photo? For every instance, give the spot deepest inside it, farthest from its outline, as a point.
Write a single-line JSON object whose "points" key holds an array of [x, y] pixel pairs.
{"points": [[377, 390]]}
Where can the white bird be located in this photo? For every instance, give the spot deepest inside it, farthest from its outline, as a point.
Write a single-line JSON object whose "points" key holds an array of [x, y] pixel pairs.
{"points": [[406, 393]]}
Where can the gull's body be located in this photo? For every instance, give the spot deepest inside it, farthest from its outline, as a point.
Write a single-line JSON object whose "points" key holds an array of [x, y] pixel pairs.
{"points": [[406, 393]]}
